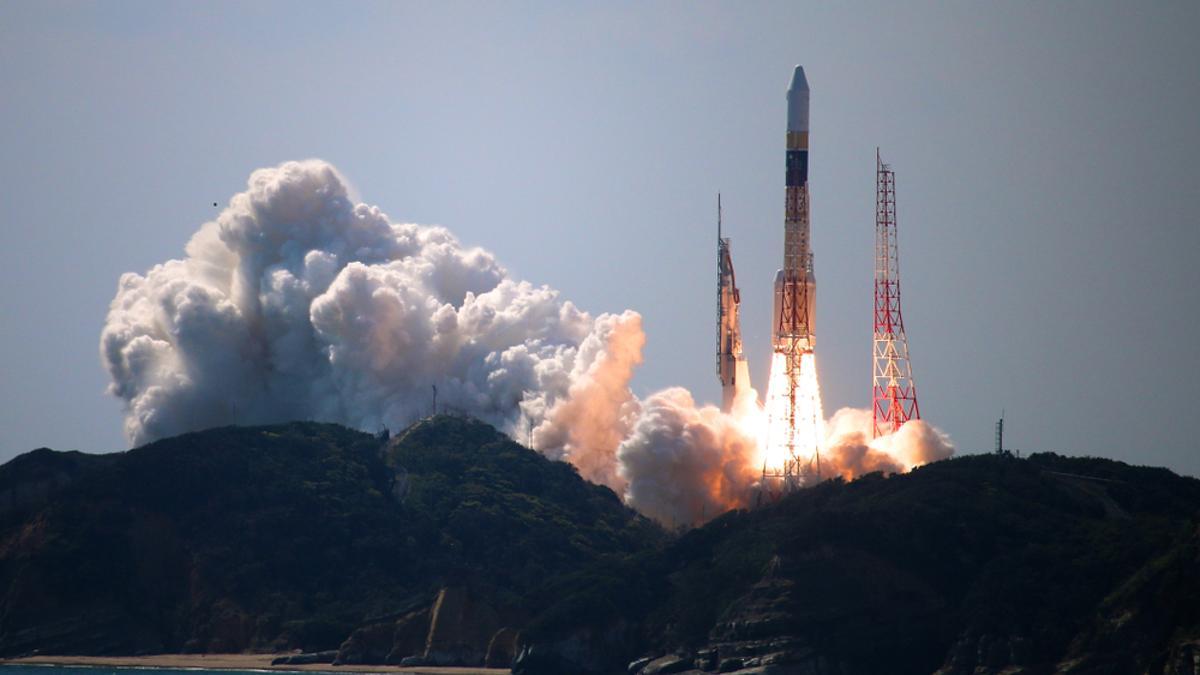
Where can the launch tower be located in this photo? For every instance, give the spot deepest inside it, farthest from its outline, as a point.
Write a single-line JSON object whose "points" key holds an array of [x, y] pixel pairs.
{"points": [[793, 406], [731, 362], [893, 394]]}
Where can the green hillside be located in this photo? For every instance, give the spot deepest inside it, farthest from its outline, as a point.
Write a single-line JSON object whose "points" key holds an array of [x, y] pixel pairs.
{"points": [[285, 536], [981, 564], [449, 543]]}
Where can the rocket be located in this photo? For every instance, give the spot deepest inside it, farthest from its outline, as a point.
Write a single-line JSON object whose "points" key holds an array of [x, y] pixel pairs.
{"points": [[794, 430], [794, 330]]}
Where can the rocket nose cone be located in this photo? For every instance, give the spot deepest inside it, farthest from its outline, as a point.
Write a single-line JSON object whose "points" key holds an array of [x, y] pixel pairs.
{"points": [[799, 81], [797, 101]]}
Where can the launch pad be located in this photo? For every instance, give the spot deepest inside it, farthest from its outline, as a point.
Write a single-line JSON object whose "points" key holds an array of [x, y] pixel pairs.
{"points": [[793, 430], [792, 454]]}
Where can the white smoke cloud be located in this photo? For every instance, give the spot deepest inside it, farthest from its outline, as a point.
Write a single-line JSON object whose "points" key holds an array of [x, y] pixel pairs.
{"points": [[849, 450], [298, 303], [685, 465], [588, 424]]}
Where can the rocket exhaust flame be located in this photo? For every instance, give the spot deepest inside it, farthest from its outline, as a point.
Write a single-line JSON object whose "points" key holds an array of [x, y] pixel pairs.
{"points": [[298, 302], [794, 447], [791, 445], [794, 422]]}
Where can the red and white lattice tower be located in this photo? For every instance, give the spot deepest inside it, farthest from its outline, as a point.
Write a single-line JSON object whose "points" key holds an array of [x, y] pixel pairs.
{"points": [[893, 394]]}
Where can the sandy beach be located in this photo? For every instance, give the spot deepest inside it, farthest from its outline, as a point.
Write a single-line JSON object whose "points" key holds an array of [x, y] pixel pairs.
{"points": [[234, 662]]}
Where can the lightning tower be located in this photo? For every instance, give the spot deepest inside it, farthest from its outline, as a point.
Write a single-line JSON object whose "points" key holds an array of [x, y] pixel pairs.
{"points": [[731, 362], [893, 394]]}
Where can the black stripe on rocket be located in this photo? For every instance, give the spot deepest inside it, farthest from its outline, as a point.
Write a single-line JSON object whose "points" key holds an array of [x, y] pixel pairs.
{"points": [[797, 168]]}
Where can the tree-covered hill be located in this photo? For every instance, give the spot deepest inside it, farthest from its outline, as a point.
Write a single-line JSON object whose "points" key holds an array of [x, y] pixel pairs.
{"points": [[450, 543], [981, 564], [286, 536]]}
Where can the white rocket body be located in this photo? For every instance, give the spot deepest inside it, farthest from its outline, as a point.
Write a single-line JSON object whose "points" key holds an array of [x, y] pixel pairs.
{"points": [[793, 318]]}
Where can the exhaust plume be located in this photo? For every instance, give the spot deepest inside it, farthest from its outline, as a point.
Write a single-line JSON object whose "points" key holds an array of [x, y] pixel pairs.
{"points": [[685, 465], [296, 303], [850, 451]]}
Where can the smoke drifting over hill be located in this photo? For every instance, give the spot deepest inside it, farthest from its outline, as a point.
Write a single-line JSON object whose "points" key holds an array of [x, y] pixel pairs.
{"points": [[850, 451], [297, 303]]}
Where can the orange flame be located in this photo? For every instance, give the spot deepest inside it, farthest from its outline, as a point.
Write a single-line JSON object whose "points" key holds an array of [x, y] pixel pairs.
{"points": [[785, 437]]}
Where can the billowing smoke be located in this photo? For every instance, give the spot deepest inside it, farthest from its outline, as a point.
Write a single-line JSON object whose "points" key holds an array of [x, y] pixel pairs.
{"points": [[298, 303], [589, 423], [684, 464], [850, 451]]}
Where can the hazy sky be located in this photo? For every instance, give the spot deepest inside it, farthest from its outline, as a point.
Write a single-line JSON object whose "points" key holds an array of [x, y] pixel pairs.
{"points": [[1045, 155]]}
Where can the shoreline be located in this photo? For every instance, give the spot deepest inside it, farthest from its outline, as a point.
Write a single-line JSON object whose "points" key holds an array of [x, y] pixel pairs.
{"points": [[235, 662]]}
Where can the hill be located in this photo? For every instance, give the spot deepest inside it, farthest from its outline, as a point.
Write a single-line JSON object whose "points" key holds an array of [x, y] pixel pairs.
{"points": [[292, 536], [451, 544], [981, 564]]}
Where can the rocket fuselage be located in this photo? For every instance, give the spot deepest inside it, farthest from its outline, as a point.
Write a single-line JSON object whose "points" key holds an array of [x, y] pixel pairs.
{"points": [[795, 284]]}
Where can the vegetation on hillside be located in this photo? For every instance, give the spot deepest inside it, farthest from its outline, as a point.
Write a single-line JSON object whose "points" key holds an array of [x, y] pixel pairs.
{"points": [[293, 535], [286, 536], [892, 574]]}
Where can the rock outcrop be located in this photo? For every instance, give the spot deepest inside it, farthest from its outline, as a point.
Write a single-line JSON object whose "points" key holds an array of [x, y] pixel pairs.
{"points": [[582, 652], [387, 640], [410, 635], [369, 644], [460, 628], [502, 648]]}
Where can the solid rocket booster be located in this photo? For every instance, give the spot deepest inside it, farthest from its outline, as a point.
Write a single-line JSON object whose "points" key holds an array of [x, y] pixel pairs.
{"points": [[795, 284]]}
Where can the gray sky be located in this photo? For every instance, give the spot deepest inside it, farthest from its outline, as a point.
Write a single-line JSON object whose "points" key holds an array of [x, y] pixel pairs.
{"points": [[1045, 157]]}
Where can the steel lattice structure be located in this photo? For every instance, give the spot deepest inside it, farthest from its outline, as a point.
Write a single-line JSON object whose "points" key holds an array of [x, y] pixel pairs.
{"points": [[790, 406], [893, 393], [732, 368]]}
